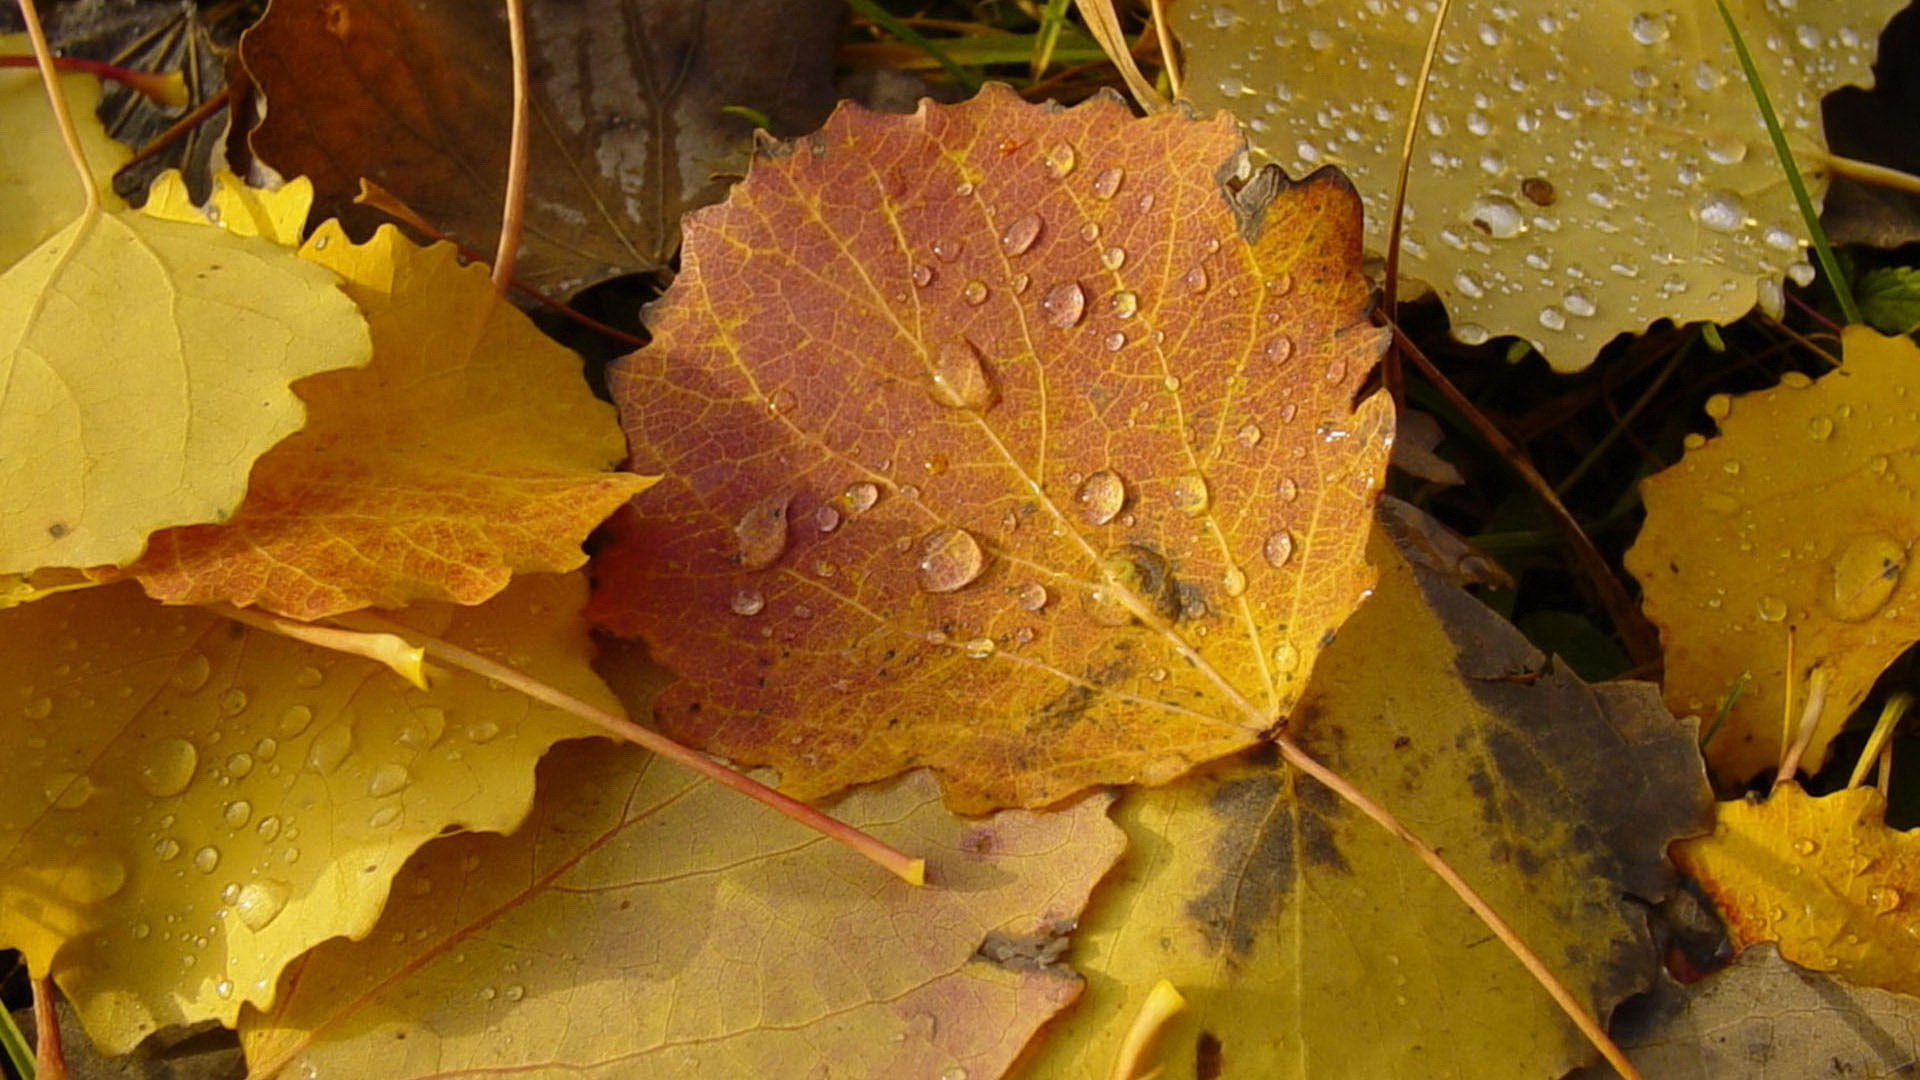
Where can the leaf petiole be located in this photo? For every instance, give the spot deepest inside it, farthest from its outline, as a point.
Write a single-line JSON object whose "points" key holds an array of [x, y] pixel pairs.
{"points": [[43, 55]]}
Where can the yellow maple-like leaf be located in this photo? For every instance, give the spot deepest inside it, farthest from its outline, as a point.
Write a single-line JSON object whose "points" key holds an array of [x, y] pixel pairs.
{"points": [[469, 450], [651, 924], [37, 185], [144, 365], [1824, 877], [192, 804], [1801, 515], [1308, 942]]}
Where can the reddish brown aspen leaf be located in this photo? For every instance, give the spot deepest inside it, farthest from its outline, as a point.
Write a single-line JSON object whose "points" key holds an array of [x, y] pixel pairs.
{"points": [[628, 100], [648, 924], [469, 450], [1824, 877], [990, 444], [1799, 517]]}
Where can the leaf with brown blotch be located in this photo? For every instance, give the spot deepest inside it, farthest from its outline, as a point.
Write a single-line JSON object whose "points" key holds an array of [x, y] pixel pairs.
{"points": [[991, 445], [651, 924], [469, 450], [628, 128]]}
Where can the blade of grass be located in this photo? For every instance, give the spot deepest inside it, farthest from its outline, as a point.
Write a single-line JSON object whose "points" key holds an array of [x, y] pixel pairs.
{"points": [[887, 21], [1052, 17], [1842, 291], [14, 1043]]}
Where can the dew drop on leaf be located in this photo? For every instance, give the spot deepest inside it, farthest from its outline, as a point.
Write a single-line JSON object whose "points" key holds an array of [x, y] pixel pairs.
{"points": [[168, 767], [388, 779], [237, 813], [1495, 216], [781, 402], [38, 709], [1771, 609], [1065, 304], [261, 902], [1195, 280], [309, 677], [826, 517], [192, 674], [207, 859], [950, 559], [1124, 304], [1248, 436], [1820, 428], [1189, 494], [1107, 183], [861, 496], [1280, 349], [1115, 341], [1020, 236], [1863, 576], [294, 720], [330, 747], [748, 602], [1061, 160], [974, 293], [959, 379], [761, 532], [1234, 581], [1113, 258], [1286, 658], [1648, 29], [922, 275], [979, 648], [1721, 211], [1101, 497], [1288, 490], [948, 249], [1278, 549], [1032, 596], [166, 849]]}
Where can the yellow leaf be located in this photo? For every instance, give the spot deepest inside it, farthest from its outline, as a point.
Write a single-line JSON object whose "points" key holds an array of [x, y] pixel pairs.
{"points": [[1801, 515], [1824, 877], [1308, 942], [191, 804], [651, 924], [37, 183], [144, 365]]}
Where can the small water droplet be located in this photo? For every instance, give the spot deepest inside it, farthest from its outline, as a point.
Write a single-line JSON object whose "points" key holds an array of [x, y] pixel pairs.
{"points": [[192, 674], [1124, 304], [383, 817], [1719, 406], [1553, 318], [979, 648], [388, 779], [268, 829], [67, 790], [1863, 576], [1772, 608], [294, 720], [1113, 258], [826, 517], [948, 249], [1820, 428], [1064, 305], [782, 402], [1090, 232], [168, 767], [1725, 149], [1278, 549], [1115, 341], [1171, 383], [761, 532], [950, 559], [1883, 898], [239, 765], [1061, 160], [1020, 283], [237, 813], [330, 747], [974, 293], [1195, 280], [1280, 349], [1648, 29], [1286, 658], [1248, 436], [959, 378], [166, 849], [748, 602], [1101, 497], [922, 275], [1107, 184], [1288, 489], [1234, 581], [1806, 845], [261, 902], [38, 709], [1019, 237], [1033, 596], [482, 732], [861, 496], [207, 859], [1189, 494], [514, 992]]}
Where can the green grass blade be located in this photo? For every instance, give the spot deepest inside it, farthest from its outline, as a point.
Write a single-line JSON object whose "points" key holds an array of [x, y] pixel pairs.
{"points": [[19, 1054], [1052, 18], [1842, 291], [892, 25]]}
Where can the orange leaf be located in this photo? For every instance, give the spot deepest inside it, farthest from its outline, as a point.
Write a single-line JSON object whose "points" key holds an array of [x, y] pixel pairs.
{"points": [[991, 445]]}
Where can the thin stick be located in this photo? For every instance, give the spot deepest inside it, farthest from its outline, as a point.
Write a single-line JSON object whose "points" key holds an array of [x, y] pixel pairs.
{"points": [[1169, 60], [513, 213], [1641, 640], [908, 869], [180, 127], [1809, 720], [61, 117], [1390, 284], [404, 658], [1890, 714], [1536, 967], [1868, 173], [49, 1055]]}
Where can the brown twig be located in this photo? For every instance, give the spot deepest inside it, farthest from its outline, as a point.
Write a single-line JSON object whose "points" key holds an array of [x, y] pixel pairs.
{"points": [[513, 213], [1391, 375], [49, 1054]]}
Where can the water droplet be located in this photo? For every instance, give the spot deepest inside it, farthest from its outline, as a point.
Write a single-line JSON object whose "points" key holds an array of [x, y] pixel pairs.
{"points": [[514, 992], [1772, 608], [782, 402], [761, 532], [922, 275], [90, 876], [67, 791], [207, 859], [959, 378], [1725, 149], [192, 674], [166, 849], [1090, 232], [1863, 576], [1107, 184], [383, 817], [237, 813], [826, 517], [1280, 349], [1578, 304], [1113, 258], [1648, 29], [1064, 304], [387, 780], [168, 767], [1061, 160], [1553, 318], [979, 648], [1234, 581], [1020, 236], [950, 558], [1189, 494], [974, 293], [1195, 280], [1806, 845], [261, 902], [1719, 406], [1288, 489], [1883, 898], [861, 496], [1496, 216], [233, 702], [481, 732], [1020, 283], [1248, 436], [294, 720], [1720, 210], [1033, 596], [330, 747], [1278, 549], [1101, 497], [239, 765], [1115, 341], [1124, 304], [141, 931], [1286, 658], [948, 249], [1172, 383], [1820, 428], [268, 829], [38, 709]]}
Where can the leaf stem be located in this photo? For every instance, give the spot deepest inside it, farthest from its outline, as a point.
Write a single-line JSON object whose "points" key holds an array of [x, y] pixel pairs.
{"points": [[50, 1057], [1890, 714], [908, 869], [513, 212], [1104, 24], [1536, 967], [64, 119], [1817, 680], [168, 90], [1867, 172]]}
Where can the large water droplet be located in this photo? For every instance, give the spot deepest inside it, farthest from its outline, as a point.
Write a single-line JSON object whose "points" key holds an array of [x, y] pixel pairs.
{"points": [[1286, 658], [1278, 549], [974, 293], [90, 876], [922, 275], [761, 532], [979, 648], [207, 859], [1720, 211], [1189, 494], [1032, 596], [1107, 184], [1065, 304], [959, 378], [1496, 216], [1061, 160], [950, 558], [387, 780], [1101, 497], [1648, 29], [1772, 608], [330, 747], [1863, 576], [748, 602], [237, 813], [1113, 258], [67, 791], [861, 497], [294, 720], [1124, 304], [168, 767], [1020, 236]]}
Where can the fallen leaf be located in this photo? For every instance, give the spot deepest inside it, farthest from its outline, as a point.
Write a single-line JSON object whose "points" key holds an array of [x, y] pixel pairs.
{"points": [[1581, 170], [990, 445], [193, 804], [1764, 1019], [470, 449], [1801, 515], [1823, 877], [650, 924], [37, 181], [1309, 942], [628, 99], [1890, 299]]}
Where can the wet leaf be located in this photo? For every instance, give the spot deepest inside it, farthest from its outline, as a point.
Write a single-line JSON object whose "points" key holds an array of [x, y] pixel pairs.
{"points": [[649, 924], [1824, 877], [1800, 515], [468, 450], [1583, 170], [989, 445], [1308, 942], [193, 804], [629, 126]]}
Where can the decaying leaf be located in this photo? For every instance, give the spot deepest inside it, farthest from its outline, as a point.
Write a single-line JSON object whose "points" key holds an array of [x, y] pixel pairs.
{"points": [[628, 126], [1306, 940], [193, 804], [649, 924], [1825, 878], [1583, 169], [468, 450], [1801, 515], [991, 445], [1765, 1019]]}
